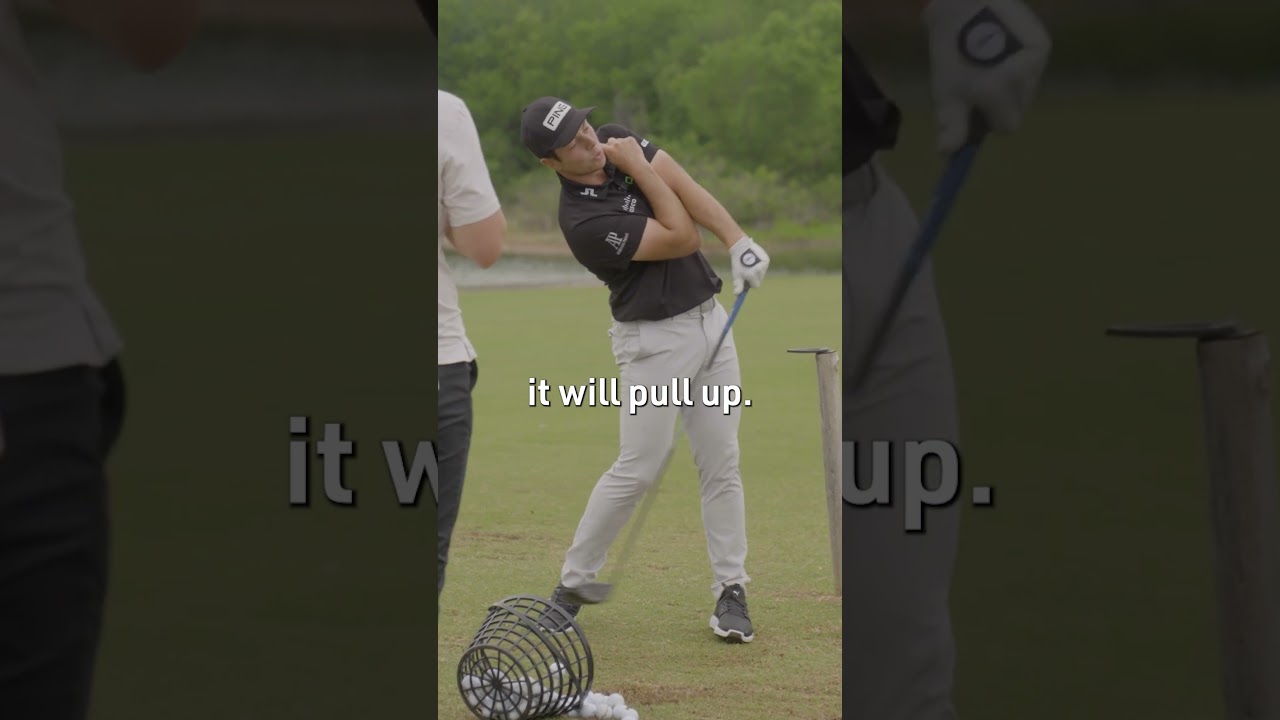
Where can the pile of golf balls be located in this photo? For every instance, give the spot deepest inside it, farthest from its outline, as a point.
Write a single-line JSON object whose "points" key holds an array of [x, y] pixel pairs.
{"points": [[606, 707], [480, 694]]}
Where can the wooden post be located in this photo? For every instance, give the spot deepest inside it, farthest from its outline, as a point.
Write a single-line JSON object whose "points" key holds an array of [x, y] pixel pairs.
{"points": [[1235, 382], [828, 364]]}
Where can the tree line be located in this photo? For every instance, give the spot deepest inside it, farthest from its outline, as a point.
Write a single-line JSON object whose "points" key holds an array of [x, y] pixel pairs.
{"points": [[751, 86]]}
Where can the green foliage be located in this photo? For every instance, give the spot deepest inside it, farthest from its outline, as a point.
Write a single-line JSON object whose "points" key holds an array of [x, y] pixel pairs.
{"points": [[744, 94]]}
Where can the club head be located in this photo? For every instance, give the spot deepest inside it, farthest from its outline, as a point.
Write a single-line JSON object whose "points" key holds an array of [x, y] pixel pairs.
{"points": [[588, 594]]}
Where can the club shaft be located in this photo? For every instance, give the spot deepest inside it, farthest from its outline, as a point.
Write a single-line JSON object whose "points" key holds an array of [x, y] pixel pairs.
{"points": [[737, 305], [944, 198], [650, 496]]}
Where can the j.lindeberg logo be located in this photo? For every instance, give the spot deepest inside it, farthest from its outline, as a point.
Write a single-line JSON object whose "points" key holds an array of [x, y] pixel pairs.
{"points": [[555, 115], [589, 192]]}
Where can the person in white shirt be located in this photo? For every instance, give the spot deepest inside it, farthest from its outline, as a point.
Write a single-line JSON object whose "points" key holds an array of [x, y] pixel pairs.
{"points": [[470, 218], [61, 385]]}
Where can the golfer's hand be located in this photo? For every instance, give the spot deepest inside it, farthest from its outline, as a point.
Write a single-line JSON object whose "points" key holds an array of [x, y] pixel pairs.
{"points": [[987, 57], [749, 262], [625, 152]]}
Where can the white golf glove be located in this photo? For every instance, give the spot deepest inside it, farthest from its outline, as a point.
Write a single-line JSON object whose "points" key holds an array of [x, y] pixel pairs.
{"points": [[749, 262], [987, 57]]}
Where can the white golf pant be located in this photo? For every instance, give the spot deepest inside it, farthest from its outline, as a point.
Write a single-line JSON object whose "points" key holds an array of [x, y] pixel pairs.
{"points": [[652, 354]]}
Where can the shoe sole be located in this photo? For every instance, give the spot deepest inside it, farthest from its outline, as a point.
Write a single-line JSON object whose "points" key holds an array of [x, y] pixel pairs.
{"points": [[732, 636]]}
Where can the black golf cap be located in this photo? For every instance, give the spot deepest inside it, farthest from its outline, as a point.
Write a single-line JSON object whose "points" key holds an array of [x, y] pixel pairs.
{"points": [[549, 123]]}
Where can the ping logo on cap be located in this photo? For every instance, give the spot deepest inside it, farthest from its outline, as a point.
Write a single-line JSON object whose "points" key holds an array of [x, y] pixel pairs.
{"points": [[555, 115]]}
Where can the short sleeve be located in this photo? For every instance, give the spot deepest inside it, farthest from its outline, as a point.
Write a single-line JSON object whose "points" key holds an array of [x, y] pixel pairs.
{"points": [[614, 130], [467, 192], [606, 243]]}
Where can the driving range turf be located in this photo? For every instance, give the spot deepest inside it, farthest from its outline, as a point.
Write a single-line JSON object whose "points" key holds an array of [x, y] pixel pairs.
{"points": [[1085, 592], [532, 469], [256, 276]]}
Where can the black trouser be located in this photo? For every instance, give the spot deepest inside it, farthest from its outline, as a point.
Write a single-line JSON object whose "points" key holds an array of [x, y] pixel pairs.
{"points": [[457, 380], [57, 429]]}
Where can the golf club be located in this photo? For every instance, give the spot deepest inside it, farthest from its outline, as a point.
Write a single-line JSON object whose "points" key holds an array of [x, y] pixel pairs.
{"points": [[737, 305], [594, 593], [948, 188]]}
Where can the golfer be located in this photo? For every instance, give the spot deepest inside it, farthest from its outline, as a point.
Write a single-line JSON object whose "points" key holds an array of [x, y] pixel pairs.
{"points": [[61, 384], [899, 654], [629, 214], [470, 218]]}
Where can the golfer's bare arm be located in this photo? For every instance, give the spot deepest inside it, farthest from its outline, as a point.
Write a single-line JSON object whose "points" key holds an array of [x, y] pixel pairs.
{"points": [[147, 33], [480, 241], [671, 232], [701, 205]]}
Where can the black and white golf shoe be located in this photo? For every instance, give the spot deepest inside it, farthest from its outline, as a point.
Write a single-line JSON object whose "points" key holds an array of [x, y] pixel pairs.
{"points": [[730, 619], [552, 620]]}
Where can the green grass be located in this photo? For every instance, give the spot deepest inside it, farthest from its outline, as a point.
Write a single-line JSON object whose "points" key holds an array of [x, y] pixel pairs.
{"points": [[1087, 591], [532, 469], [255, 277]]}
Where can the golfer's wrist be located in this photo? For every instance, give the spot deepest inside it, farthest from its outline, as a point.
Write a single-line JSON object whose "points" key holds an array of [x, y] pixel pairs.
{"points": [[642, 173]]}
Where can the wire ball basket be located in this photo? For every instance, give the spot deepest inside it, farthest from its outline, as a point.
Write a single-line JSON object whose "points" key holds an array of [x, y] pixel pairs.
{"points": [[528, 660]]}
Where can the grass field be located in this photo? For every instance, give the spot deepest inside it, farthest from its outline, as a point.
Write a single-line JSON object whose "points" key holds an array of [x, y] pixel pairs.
{"points": [[256, 277], [1087, 590], [532, 469]]}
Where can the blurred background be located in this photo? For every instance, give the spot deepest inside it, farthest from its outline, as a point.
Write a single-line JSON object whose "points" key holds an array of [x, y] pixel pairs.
{"points": [[1139, 190], [745, 95], [258, 63], [254, 218]]}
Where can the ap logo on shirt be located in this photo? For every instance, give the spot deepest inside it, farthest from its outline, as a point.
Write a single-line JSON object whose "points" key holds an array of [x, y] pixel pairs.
{"points": [[617, 242]]}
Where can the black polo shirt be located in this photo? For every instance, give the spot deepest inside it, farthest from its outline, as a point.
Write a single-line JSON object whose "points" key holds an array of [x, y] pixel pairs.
{"points": [[871, 120], [603, 225]]}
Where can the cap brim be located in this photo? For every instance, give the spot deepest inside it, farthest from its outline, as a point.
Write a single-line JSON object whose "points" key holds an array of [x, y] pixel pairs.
{"points": [[569, 126]]}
